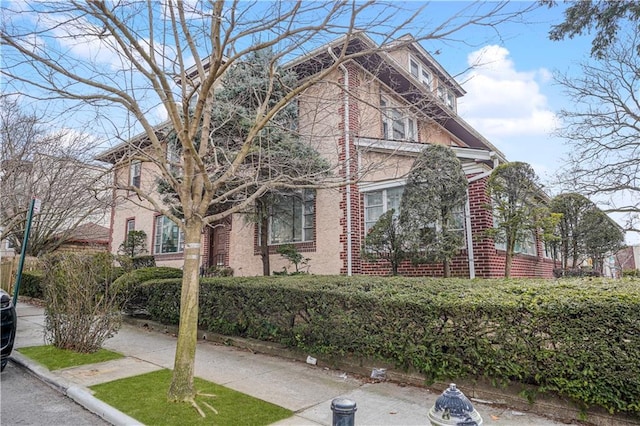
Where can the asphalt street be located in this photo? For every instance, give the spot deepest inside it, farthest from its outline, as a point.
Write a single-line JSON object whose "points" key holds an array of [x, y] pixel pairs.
{"points": [[26, 400]]}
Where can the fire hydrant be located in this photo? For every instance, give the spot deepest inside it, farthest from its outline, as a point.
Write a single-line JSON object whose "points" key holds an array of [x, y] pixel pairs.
{"points": [[453, 408]]}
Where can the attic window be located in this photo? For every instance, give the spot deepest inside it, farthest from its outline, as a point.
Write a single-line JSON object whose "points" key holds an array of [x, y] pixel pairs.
{"points": [[421, 73]]}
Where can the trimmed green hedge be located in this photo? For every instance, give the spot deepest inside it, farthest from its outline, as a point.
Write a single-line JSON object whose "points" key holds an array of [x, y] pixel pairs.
{"points": [[133, 293], [576, 337]]}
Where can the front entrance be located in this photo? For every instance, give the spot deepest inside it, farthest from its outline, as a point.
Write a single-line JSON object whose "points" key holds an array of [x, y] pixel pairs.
{"points": [[219, 241]]}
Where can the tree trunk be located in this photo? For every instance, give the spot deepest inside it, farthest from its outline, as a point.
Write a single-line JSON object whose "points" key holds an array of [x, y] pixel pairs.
{"points": [[264, 237], [508, 260], [446, 267], [182, 388]]}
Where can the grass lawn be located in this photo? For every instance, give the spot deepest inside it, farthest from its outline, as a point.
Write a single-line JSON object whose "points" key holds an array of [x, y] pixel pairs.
{"points": [[55, 359], [144, 398]]}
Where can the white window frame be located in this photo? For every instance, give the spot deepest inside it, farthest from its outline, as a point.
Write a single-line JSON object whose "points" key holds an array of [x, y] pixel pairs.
{"points": [[369, 222], [422, 73], [161, 224], [447, 97], [304, 222], [527, 248], [392, 118], [135, 171]]}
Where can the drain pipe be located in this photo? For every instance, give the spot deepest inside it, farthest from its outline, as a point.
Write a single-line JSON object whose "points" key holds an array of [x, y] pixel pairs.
{"points": [[347, 160]]}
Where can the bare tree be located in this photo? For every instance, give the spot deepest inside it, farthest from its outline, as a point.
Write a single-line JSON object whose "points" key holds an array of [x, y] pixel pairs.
{"points": [[139, 57], [602, 128], [53, 167]]}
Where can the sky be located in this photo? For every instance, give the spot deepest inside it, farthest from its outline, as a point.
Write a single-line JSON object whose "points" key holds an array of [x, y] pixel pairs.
{"points": [[512, 98]]}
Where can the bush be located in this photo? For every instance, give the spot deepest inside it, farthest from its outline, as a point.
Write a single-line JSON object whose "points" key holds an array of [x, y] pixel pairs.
{"points": [[132, 294], [632, 273], [31, 285], [575, 273], [577, 338], [81, 311]]}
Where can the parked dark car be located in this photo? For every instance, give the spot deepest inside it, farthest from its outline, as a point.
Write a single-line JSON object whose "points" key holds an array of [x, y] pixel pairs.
{"points": [[8, 326]]}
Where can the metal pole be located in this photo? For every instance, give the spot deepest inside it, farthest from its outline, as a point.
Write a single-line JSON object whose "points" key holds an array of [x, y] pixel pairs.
{"points": [[23, 251]]}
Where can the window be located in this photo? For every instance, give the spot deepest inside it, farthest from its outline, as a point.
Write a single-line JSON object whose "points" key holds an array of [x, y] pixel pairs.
{"points": [[395, 125], [168, 236], [134, 173], [173, 158], [131, 225], [292, 218], [421, 73], [376, 203], [525, 246], [447, 97]]}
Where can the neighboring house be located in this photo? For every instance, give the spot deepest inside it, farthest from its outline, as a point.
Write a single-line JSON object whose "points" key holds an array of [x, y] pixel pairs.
{"points": [[400, 99], [88, 238], [628, 259]]}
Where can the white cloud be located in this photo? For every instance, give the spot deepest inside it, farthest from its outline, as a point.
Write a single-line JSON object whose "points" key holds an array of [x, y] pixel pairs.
{"points": [[503, 102]]}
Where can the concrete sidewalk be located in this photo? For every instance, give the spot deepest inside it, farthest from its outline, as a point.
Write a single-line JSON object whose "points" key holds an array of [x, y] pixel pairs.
{"points": [[305, 389]]}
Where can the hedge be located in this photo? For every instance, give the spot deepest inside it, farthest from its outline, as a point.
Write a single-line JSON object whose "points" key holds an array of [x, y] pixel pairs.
{"points": [[577, 337], [131, 290], [31, 285]]}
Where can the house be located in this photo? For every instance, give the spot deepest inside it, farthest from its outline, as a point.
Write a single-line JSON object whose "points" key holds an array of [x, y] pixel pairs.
{"points": [[87, 238], [628, 259], [373, 115]]}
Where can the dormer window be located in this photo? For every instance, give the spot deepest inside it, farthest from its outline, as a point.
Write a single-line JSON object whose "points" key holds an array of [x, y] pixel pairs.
{"points": [[447, 97], [421, 73], [395, 124]]}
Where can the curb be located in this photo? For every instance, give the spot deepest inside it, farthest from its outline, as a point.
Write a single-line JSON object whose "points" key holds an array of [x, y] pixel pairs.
{"points": [[79, 394]]}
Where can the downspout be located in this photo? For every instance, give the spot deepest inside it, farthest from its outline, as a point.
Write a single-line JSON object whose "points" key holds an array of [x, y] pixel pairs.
{"points": [[347, 153]]}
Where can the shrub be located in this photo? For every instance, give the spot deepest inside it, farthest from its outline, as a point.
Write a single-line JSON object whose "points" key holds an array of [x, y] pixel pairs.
{"points": [[576, 337], [575, 273], [132, 294], [31, 285], [81, 311], [633, 273]]}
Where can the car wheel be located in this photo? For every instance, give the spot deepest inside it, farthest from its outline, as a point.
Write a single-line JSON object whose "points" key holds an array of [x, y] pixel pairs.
{"points": [[3, 364]]}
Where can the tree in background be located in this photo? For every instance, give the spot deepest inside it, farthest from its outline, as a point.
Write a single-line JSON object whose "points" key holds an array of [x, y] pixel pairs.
{"points": [[602, 237], [432, 207], [134, 245], [513, 192], [605, 16], [386, 241], [571, 227], [53, 166], [130, 58], [601, 127]]}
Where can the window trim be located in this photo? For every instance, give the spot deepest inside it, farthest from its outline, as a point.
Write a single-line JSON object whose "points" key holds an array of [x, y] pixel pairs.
{"points": [[388, 109], [157, 242], [130, 220], [305, 227], [135, 171], [446, 97], [426, 80], [368, 224]]}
